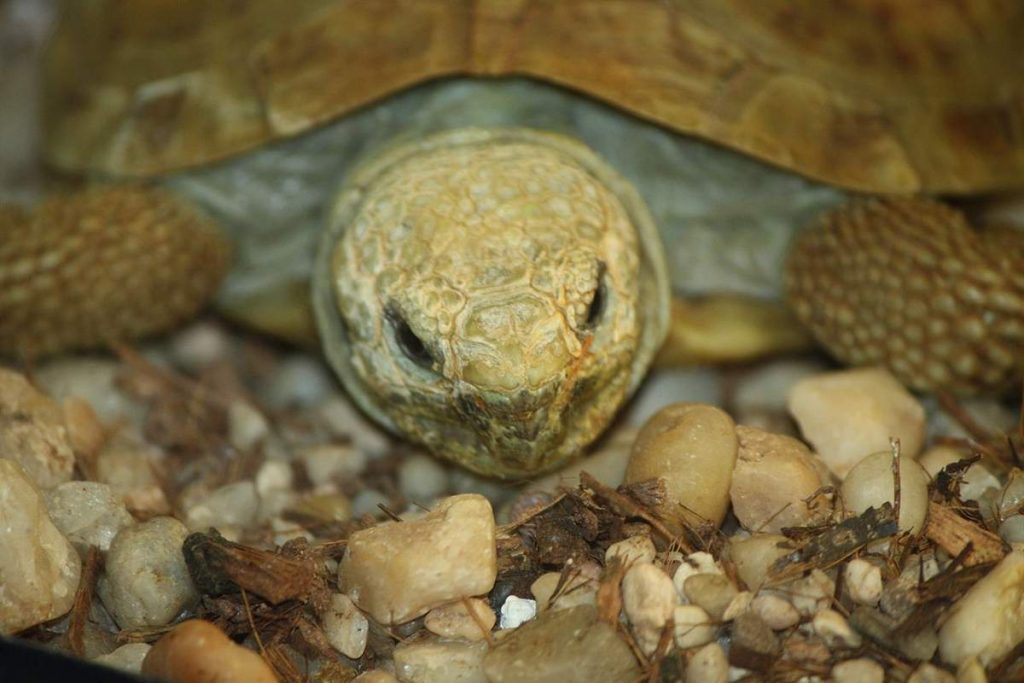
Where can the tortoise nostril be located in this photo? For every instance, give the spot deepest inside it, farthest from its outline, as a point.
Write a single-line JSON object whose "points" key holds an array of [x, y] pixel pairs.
{"points": [[411, 345], [600, 299]]}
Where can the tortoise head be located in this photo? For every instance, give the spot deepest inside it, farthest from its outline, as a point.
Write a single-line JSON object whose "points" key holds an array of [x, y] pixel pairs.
{"points": [[492, 294]]}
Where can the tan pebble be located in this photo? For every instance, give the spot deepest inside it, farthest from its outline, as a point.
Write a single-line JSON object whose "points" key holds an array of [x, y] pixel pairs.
{"points": [[39, 568], [87, 513], [32, 432], [327, 463], [988, 621], [693, 627], [85, 431], [812, 593], [579, 588], [971, 671], [861, 670], [432, 661], [708, 665], [738, 605], [632, 550], [233, 506], [128, 467], [345, 626], [778, 613], [693, 448], [126, 658], [870, 483], [754, 556], [470, 619], [849, 414], [929, 673], [713, 592], [835, 630], [863, 581], [196, 651], [375, 676], [648, 598], [246, 425], [774, 483], [397, 571]]}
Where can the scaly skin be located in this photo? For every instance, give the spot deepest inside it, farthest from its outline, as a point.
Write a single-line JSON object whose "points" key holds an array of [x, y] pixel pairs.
{"points": [[501, 294]]}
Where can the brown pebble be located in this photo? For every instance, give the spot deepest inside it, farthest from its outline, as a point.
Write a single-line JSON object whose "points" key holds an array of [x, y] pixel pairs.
{"points": [[754, 645], [196, 651]]}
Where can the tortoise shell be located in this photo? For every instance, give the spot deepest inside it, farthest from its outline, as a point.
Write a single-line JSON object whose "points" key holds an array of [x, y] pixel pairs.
{"points": [[890, 96]]}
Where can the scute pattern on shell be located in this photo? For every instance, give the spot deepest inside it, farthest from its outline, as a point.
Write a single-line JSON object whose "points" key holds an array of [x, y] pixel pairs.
{"points": [[491, 246], [910, 284]]}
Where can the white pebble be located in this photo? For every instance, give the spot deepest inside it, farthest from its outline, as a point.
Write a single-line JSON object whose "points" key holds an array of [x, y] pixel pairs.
{"points": [[32, 432], [709, 665], [422, 478], [863, 581], [94, 381], [146, 582], [469, 619], [39, 568], [832, 627], [199, 346], [233, 506], [693, 627], [870, 483], [126, 658], [344, 420], [1011, 529], [812, 593], [988, 621], [273, 476], [777, 612], [766, 386], [298, 381], [368, 502], [754, 556], [87, 513], [674, 385], [246, 425], [375, 676], [345, 626], [328, 463], [516, 611], [579, 588], [432, 661], [861, 670], [397, 571], [849, 414], [738, 605], [648, 598], [127, 467], [633, 550]]}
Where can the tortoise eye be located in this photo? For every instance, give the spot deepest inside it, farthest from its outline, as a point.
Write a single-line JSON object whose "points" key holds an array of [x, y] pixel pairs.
{"points": [[600, 299], [411, 345]]}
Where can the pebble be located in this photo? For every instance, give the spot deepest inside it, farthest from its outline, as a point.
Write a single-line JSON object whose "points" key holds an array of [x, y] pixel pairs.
{"points": [[863, 581], [850, 414], [988, 621], [230, 508], [344, 420], [971, 671], [329, 463], [775, 476], [870, 484], [433, 661], [300, 380], [470, 619], [693, 448], [516, 611], [754, 556], [777, 612], [247, 426], [633, 550], [196, 651], [673, 385], [977, 480], [713, 592], [199, 346], [375, 676], [127, 467], [398, 571], [126, 658], [87, 513], [32, 432], [422, 478], [765, 387], [275, 483], [693, 627], [345, 626], [929, 673], [648, 598], [39, 568], [93, 380], [567, 646], [579, 588], [85, 431], [835, 630], [862, 670], [145, 582], [368, 502], [1011, 529], [708, 665], [812, 593]]}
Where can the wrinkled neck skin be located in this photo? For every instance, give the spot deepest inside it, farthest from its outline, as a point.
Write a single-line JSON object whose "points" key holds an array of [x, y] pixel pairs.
{"points": [[484, 295]]}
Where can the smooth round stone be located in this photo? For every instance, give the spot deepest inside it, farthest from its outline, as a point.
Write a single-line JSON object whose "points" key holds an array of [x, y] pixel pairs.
{"points": [[422, 478], [196, 651], [692, 447], [433, 661], [126, 658], [648, 598], [39, 568], [345, 626], [471, 619], [145, 582], [88, 513], [233, 506], [870, 484], [755, 555], [298, 381]]}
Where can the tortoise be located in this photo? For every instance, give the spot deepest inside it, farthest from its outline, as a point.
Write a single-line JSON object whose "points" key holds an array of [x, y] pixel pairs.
{"points": [[489, 203]]}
